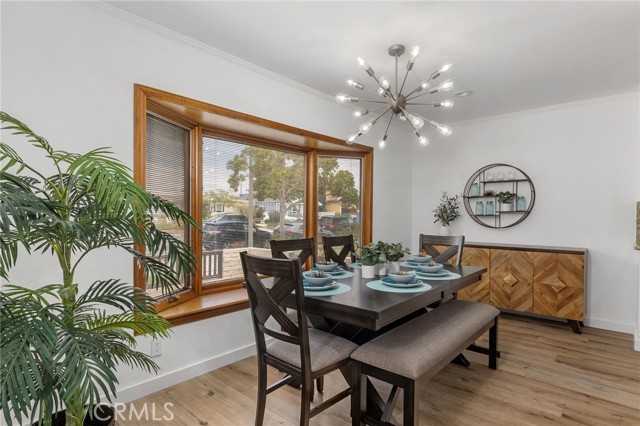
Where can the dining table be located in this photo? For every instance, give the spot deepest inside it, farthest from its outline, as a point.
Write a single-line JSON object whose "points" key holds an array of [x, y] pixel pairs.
{"points": [[362, 313]]}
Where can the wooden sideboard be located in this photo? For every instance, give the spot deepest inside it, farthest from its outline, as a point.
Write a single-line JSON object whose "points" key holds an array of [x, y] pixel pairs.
{"points": [[548, 281]]}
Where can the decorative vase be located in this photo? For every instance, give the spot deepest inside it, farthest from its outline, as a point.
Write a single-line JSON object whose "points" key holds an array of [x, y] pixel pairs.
{"points": [[479, 208], [368, 271], [474, 191], [521, 205], [394, 266], [506, 207], [381, 269], [445, 231], [489, 208]]}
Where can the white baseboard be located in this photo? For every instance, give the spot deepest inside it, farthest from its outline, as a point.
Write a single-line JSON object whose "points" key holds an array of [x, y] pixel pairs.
{"points": [[158, 383], [636, 340], [621, 327]]}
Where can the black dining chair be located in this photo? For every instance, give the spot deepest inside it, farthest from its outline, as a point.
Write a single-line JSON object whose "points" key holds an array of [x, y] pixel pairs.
{"points": [[303, 353], [432, 245], [344, 243], [305, 248]]}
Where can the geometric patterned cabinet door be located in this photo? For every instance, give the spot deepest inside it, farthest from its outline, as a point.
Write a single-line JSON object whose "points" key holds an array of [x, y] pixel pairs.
{"points": [[511, 277], [558, 285], [478, 292]]}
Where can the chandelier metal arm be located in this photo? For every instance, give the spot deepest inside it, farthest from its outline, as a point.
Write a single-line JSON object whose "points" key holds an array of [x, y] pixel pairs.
{"points": [[406, 74], [386, 90], [375, 102], [388, 125], [433, 104], [417, 96]]}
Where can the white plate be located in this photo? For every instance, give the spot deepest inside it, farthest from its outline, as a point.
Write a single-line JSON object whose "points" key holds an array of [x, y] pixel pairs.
{"points": [[389, 282], [337, 272], [330, 286]]}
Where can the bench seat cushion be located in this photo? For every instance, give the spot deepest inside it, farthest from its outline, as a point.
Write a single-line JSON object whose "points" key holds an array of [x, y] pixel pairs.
{"points": [[422, 345]]}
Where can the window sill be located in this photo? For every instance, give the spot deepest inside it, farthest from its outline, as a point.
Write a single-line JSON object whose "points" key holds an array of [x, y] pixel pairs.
{"points": [[207, 306]]}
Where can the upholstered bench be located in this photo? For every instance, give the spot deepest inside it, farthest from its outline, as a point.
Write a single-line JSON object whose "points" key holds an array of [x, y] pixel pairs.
{"points": [[418, 350]]}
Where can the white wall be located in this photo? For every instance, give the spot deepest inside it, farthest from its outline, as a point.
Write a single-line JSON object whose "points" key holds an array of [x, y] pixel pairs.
{"points": [[68, 71], [583, 159]]}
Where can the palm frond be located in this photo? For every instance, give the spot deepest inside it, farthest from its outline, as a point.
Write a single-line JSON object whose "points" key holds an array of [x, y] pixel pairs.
{"points": [[117, 294], [28, 322], [17, 127]]}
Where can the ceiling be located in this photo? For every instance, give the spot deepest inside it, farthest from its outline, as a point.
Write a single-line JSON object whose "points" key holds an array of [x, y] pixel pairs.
{"points": [[513, 55]]}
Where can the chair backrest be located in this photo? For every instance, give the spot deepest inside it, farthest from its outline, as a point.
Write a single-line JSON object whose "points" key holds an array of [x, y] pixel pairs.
{"points": [[428, 244], [348, 248], [305, 246], [265, 302]]}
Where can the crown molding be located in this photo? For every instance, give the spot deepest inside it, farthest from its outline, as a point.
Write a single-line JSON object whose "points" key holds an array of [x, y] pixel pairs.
{"points": [[554, 107], [139, 22]]}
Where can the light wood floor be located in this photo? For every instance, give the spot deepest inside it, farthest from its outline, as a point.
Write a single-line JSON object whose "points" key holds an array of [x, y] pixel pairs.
{"points": [[547, 375]]}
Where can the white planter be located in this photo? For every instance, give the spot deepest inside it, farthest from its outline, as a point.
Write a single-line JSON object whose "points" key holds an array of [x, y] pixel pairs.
{"points": [[368, 271], [445, 231], [381, 269], [394, 266], [504, 207]]}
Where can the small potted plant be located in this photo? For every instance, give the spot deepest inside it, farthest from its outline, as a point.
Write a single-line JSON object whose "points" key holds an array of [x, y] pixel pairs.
{"points": [[394, 253], [446, 212], [506, 198], [368, 257]]}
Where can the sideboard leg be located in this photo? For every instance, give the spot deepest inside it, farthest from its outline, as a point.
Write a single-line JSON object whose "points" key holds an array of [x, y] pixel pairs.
{"points": [[575, 326]]}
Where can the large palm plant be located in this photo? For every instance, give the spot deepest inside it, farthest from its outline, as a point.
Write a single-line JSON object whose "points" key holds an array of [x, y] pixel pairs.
{"points": [[60, 348]]}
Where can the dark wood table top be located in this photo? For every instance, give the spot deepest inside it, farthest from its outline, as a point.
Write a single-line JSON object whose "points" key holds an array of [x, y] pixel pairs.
{"points": [[373, 309]]}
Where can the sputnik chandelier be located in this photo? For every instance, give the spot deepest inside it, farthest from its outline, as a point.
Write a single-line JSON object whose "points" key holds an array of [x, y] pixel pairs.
{"points": [[396, 102]]}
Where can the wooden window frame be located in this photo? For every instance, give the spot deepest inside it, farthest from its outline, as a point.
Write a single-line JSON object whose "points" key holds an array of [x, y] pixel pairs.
{"points": [[201, 119]]}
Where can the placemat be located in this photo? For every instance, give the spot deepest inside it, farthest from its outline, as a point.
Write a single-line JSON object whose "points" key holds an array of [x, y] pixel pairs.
{"points": [[379, 285], [451, 276], [342, 288], [342, 276]]}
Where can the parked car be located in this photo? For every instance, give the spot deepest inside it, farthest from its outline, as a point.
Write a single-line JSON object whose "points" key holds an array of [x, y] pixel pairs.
{"points": [[295, 230], [222, 233], [225, 217], [336, 224]]}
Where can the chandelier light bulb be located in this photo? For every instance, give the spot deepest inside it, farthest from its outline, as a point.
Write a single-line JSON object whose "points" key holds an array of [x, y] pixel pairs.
{"points": [[446, 104], [402, 117], [423, 140], [361, 62], [382, 92], [365, 127], [445, 130], [446, 86], [351, 138], [360, 112], [352, 83], [342, 98], [384, 81], [416, 121], [446, 67], [382, 143], [415, 51]]}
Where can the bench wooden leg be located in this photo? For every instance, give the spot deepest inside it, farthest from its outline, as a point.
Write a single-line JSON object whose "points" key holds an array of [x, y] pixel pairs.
{"points": [[493, 345], [411, 405]]}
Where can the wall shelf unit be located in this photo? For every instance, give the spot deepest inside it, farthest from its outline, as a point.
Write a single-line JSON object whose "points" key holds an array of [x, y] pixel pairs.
{"points": [[482, 189]]}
